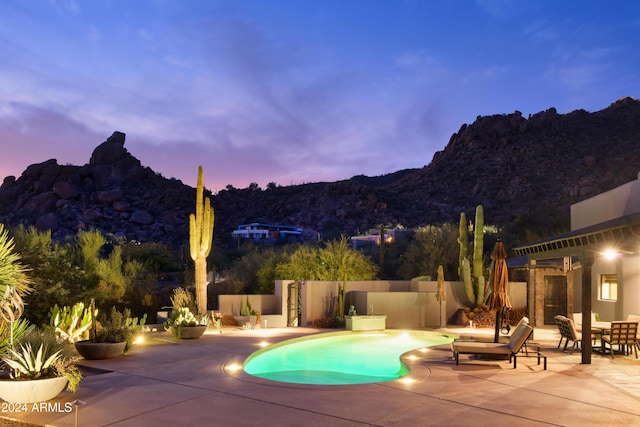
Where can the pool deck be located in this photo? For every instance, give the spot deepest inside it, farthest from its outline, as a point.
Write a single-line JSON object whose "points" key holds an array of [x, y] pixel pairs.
{"points": [[194, 382]]}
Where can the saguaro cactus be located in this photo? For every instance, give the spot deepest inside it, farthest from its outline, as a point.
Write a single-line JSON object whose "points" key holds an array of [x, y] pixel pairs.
{"points": [[478, 249], [200, 239], [472, 275]]}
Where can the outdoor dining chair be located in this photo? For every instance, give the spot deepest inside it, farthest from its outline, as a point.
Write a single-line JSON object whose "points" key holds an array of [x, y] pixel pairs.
{"points": [[569, 332], [622, 334], [635, 318]]}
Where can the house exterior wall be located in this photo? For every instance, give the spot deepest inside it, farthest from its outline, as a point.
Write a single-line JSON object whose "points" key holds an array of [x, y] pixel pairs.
{"points": [[630, 266], [627, 270], [618, 202], [612, 204]]}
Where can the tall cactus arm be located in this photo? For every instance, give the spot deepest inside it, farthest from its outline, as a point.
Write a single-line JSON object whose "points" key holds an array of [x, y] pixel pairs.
{"points": [[463, 242], [466, 279], [478, 242]]}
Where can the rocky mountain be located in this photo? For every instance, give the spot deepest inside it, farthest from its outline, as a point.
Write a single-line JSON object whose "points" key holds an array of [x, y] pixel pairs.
{"points": [[113, 192], [516, 167]]}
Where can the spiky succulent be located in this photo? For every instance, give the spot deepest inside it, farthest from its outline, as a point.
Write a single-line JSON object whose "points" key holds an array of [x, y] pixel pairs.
{"points": [[29, 364]]}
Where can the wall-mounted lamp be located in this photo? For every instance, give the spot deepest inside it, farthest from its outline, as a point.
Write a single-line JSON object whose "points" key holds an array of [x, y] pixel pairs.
{"points": [[610, 254]]}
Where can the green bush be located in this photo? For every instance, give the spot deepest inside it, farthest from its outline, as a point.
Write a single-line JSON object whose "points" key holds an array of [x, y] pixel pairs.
{"points": [[118, 327]]}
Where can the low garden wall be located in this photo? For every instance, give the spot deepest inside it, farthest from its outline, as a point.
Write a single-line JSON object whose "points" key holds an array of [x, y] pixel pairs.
{"points": [[407, 304]]}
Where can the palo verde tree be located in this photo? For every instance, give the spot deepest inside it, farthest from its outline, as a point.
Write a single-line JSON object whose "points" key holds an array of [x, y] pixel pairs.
{"points": [[336, 261], [431, 246], [87, 266], [200, 240]]}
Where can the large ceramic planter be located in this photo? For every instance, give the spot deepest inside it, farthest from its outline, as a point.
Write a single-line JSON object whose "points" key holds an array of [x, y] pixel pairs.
{"points": [[100, 350], [31, 391], [187, 332]]}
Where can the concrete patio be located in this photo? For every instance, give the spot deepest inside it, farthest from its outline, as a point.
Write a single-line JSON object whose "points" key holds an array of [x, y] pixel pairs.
{"points": [[194, 382]]}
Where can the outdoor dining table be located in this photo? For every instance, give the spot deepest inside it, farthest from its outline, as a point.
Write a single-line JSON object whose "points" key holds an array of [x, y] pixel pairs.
{"points": [[599, 328]]}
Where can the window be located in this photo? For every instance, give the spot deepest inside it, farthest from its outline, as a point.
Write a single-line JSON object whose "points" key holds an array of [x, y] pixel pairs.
{"points": [[608, 290]]}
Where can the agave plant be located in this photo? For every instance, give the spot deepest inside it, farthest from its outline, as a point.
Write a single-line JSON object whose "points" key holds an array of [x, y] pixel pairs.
{"points": [[31, 365], [53, 358]]}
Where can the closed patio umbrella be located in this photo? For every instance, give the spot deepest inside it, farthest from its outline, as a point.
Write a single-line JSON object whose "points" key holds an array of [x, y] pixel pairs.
{"points": [[498, 281], [499, 277]]}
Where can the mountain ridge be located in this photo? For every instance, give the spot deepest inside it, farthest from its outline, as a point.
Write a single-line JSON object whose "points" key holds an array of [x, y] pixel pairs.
{"points": [[516, 167]]}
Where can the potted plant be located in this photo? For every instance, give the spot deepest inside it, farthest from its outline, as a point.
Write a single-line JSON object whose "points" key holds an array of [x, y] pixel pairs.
{"points": [[38, 369], [183, 322], [248, 312], [71, 323], [112, 336]]}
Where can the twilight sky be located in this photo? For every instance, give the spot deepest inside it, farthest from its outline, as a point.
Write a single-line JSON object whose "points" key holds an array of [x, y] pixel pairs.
{"points": [[295, 91]]}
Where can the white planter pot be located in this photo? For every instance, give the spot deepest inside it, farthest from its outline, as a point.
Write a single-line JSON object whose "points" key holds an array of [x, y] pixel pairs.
{"points": [[188, 332], [30, 391]]}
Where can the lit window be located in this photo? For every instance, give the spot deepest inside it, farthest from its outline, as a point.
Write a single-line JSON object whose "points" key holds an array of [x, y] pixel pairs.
{"points": [[608, 287]]}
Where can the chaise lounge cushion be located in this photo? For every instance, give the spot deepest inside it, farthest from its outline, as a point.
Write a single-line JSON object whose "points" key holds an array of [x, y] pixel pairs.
{"points": [[503, 339], [517, 340]]}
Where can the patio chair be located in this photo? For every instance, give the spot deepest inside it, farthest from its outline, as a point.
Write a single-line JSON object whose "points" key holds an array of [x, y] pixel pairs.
{"points": [[577, 320], [511, 349], [563, 335], [635, 318], [622, 334], [569, 332]]}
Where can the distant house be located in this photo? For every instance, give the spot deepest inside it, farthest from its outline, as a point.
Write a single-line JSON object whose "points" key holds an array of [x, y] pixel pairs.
{"points": [[372, 237], [267, 232]]}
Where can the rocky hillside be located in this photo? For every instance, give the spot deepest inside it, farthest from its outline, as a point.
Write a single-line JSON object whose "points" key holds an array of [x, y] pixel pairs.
{"points": [[516, 167], [113, 193]]}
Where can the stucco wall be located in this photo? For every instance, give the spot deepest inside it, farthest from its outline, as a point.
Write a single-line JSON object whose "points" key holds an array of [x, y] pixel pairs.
{"points": [[407, 304], [615, 203], [630, 286]]}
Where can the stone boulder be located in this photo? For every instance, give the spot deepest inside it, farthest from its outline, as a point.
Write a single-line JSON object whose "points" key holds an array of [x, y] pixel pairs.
{"points": [[65, 190], [141, 217], [109, 151], [47, 221]]}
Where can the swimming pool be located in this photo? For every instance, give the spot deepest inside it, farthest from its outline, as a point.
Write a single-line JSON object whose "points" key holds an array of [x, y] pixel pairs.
{"points": [[340, 357]]}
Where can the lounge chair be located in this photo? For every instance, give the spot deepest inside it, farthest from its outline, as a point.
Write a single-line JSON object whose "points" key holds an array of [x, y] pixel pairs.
{"points": [[623, 334], [511, 349]]}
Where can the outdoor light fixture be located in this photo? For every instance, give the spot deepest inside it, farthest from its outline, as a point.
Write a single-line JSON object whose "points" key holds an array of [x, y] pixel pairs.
{"points": [[610, 254], [263, 344], [233, 367]]}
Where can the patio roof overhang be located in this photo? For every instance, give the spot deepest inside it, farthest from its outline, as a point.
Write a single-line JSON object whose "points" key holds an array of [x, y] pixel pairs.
{"points": [[621, 234]]}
